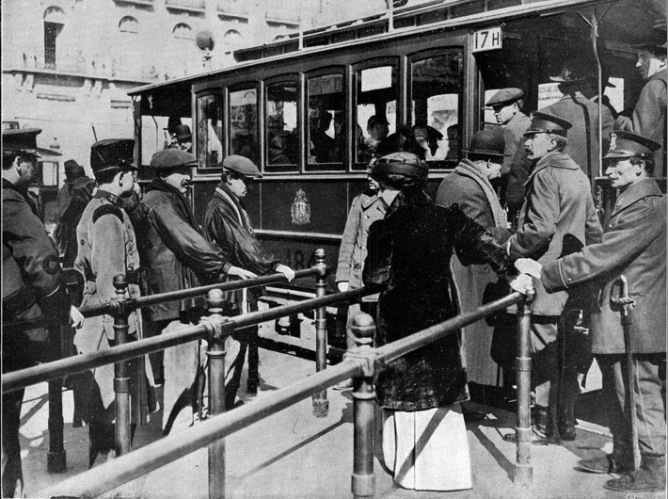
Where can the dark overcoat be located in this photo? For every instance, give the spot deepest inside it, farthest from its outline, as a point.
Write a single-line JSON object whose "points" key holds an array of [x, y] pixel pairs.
{"points": [[634, 245], [409, 262]]}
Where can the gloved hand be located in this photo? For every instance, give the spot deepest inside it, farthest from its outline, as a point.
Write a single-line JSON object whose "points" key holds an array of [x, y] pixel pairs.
{"points": [[286, 271], [523, 283], [342, 286], [528, 266]]}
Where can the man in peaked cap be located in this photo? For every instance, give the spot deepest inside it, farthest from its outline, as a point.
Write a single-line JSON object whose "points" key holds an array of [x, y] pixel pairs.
{"points": [[227, 224], [32, 286], [108, 247], [649, 113], [177, 255], [557, 218], [634, 245], [582, 113], [507, 104]]}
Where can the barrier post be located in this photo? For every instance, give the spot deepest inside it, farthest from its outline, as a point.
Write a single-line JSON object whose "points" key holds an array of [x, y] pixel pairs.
{"points": [[364, 405], [320, 402], [56, 458], [523, 467], [216, 357], [121, 368]]}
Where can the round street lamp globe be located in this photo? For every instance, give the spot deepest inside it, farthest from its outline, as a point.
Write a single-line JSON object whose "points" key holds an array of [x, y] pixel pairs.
{"points": [[204, 40]]}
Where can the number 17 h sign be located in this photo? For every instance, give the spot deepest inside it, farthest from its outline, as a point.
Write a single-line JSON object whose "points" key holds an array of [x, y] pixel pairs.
{"points": [[487, 39]]}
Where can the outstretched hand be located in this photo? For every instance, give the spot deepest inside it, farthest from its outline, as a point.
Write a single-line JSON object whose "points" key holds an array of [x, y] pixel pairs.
{"points": [[528, 266], [286, 271], [242, 273], [523, 283]]}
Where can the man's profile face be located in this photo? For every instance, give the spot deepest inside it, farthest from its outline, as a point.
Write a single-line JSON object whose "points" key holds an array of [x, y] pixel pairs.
{"points": [[622, 172], [504, 113], [648, 64], [537, 145], [26, 169]]}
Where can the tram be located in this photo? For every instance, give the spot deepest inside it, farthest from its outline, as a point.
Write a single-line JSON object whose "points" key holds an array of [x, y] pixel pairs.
{"points": [[299, 107]]}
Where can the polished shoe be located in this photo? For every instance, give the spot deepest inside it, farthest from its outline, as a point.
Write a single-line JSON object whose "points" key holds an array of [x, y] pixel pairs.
{"points": [[650, 477], [604, 464]]}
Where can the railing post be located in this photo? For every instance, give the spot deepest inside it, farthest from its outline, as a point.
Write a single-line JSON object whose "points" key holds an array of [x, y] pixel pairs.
{"points": [[320, 402], [216, 357], [364, 395], [56, 458], [121, 368], [523, 467]]}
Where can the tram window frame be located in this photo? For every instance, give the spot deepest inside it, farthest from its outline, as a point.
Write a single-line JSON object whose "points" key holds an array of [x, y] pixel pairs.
{"points": [[203, 165], [326, 166], [229, 128], [369, 64], [418, 57], [295, 167]]}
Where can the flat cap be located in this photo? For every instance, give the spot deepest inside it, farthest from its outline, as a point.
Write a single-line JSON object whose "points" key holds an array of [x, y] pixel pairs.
{"points": [[172, 158], [505, 96], [241, 164], [21, 139], [547, 123], [112, 154], [628, 145], [401, 163]]}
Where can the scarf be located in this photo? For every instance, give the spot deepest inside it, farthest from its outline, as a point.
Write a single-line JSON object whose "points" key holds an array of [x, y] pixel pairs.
{"points": [[467, 168]]}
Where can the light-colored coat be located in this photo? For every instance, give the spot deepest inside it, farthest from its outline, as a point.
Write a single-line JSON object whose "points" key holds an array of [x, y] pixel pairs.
{"points": [[558, 217], [634, 245]]}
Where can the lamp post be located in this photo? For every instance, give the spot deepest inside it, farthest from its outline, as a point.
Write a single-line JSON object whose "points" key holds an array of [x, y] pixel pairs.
{"points": [[204, 41]]}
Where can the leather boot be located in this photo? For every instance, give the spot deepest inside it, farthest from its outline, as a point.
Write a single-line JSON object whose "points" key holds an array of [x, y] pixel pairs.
{"points": [[650, 477], [542, 423], [610, 463], [567, 423], [568, 394]]}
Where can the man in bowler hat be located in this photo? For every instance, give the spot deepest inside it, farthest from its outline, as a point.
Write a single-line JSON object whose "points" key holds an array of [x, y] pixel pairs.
{"points": [[73, 171]]}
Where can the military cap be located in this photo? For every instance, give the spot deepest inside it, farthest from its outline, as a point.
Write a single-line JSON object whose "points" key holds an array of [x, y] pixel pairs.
{"points": [[488, 142], [241, 164], [401, 163], [169, 159], [23, 140], [628, 145], [73, 171], [183, 133], [112, 155], [547, 123], [505, 97]]}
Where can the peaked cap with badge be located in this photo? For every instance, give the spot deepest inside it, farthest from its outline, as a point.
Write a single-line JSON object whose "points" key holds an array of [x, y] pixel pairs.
{"points": [[630, 145]]}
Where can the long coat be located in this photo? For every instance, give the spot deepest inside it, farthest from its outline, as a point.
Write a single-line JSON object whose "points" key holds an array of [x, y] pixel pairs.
{"points": [[558, 217], [515, 164], [364, 210], [107, 247], [409, 263], [583, 136], [175, 254], [472, 192], [634, 245]]}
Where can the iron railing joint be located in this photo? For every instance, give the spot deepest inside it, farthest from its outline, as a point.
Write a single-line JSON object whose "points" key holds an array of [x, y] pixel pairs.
{"points": [[369, 362]]}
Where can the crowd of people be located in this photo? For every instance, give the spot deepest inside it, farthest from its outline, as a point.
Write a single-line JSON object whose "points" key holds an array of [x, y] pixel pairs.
{"points": [[428, 260]]}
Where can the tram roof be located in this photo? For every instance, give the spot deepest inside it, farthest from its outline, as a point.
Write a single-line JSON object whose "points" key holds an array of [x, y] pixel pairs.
{"points": [[534, 7]]}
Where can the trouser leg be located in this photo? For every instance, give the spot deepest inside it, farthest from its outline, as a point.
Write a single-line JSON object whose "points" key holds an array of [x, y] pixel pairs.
{"points": [[253, 361], [650, 410], [234, 364], [570, 345], [152, 329], [614, 399], [12, 473], [545, 371]]}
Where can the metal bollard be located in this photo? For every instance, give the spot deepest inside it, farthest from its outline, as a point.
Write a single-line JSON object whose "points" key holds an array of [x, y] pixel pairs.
{"points": [[320, 402], [523, 467], [364, 395], [56, 458], [216, 357], [121, 369]]}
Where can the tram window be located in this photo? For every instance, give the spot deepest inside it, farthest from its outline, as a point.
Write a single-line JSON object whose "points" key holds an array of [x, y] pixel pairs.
{"points": [[282, 141], [209, 130], [243, 123], [436, 87], [375, 110], [158, 133], [326, 120]]}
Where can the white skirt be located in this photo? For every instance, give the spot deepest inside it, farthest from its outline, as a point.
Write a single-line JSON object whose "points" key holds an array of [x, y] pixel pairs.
{"points": [[427, 450]]}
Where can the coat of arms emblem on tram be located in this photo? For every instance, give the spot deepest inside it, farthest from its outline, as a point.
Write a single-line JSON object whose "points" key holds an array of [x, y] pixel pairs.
{"points": [[301, 209]]}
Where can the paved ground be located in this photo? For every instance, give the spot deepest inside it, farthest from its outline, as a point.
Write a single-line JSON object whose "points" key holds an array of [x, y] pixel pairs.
{"points": [[295, 455]]}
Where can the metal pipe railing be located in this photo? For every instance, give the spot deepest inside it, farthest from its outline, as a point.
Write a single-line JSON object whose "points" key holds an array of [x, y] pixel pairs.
{"points": [[363, 363]]}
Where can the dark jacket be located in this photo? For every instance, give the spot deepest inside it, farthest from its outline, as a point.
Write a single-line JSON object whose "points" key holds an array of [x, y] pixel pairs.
{"points": [[227, 224], [634, 245], [409, 262], [175, 254], [515, 163]]}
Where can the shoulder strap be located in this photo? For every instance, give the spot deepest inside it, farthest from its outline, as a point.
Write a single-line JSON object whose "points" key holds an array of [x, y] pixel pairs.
{"points": [[107, 209]]}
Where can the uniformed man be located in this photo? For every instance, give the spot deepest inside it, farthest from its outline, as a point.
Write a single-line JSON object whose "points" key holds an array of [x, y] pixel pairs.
{"points": [[634, 245], [31, 286], [649, 114], [507, 104], [176, 255], [558, 215], [227, 224], [108, 247]]}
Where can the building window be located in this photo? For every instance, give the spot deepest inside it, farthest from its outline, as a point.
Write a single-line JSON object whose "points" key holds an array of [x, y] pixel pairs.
{"points": [[128, 25], [182, 32], [232, 40], [54, 20]]}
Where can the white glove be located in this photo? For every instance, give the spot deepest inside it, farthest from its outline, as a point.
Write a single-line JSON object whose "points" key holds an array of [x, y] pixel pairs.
{"points": [[343, 286], [286, 271], [523, 283], [528, 266], [76, 318]]}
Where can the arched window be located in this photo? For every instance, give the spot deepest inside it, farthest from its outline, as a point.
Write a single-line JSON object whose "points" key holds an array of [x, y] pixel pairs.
{"points": [[232, 40], [182, 32], [129, 25], [54, 20]]}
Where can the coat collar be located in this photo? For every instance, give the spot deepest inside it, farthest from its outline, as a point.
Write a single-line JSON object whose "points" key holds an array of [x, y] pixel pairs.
{"points": [[112, 198], [6, 184], [369, 200], [635, 192], [554, 159]]}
